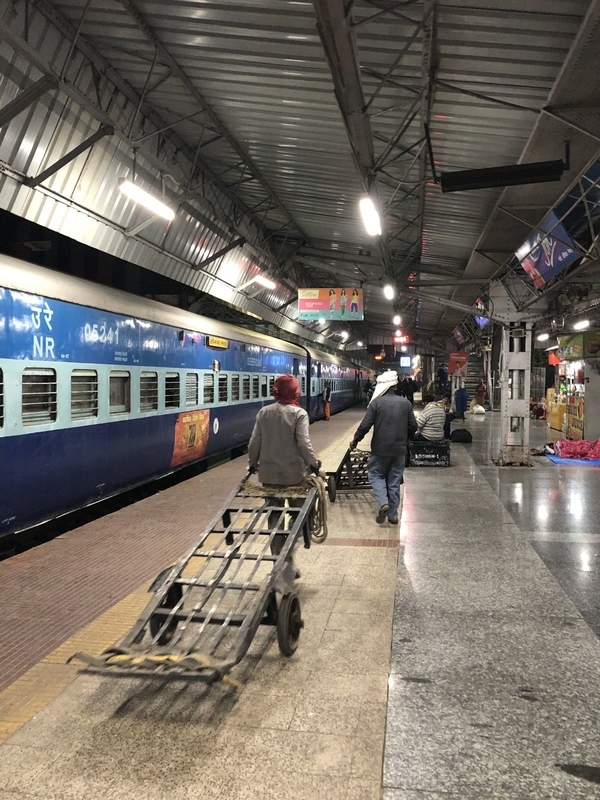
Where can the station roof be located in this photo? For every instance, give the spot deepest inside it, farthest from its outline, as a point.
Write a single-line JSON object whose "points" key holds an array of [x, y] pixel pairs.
{"points": [[266, 121]]}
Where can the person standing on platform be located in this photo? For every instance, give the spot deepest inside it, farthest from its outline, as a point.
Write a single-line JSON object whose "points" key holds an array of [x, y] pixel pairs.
{"points": [[280, 448], [394, 423], [480, 392], [326, 396]]}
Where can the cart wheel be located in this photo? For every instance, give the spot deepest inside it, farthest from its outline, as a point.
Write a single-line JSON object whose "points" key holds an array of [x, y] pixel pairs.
{"points": [[331, 488], [170, 600], [289, 624]]}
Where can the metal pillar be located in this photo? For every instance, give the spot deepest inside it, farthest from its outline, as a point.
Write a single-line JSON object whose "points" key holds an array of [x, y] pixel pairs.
{"points": [[515, 372]]}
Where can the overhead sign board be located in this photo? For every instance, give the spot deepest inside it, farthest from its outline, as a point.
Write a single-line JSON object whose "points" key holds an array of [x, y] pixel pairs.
{"points": [[330, 304], [547, 251]]}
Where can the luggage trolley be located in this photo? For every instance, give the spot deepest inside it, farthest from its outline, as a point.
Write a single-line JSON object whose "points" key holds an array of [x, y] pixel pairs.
{"points": [[350, 475], [206, 609]]}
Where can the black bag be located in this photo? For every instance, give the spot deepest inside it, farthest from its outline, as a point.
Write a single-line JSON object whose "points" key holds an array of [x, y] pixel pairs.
{"points": [[462, 435]]}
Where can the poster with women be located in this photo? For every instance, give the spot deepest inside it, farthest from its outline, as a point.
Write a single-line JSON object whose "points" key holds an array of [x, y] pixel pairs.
{"points": [[330, 304]]}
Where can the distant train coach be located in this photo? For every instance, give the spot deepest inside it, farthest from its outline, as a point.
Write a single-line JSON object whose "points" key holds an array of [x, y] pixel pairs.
{"points": [[101, 391]]}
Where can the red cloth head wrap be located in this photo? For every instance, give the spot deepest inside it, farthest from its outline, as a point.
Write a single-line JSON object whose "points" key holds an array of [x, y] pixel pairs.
{"points": [[286, 390]]}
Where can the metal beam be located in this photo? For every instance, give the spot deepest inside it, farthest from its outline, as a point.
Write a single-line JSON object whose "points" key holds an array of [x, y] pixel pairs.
{"points": [[104, 130], [26, 98], [222, 252], [165, 55]]}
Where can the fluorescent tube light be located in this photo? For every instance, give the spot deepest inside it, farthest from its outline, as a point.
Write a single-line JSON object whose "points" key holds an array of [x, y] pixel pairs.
{"points": [[543, 337], [146, 199], [370, 217], [265, 282], [581, 325]]}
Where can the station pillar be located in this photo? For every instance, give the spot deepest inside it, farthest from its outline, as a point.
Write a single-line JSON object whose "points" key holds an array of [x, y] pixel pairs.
{"points": [[515, 375]]}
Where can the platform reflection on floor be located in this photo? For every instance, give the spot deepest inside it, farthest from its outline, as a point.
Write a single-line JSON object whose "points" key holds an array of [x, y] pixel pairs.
{"points": [[495, 683]]}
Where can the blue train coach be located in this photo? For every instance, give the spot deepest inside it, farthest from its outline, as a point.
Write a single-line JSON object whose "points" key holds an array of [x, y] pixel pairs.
{"points": [[101, 391]]}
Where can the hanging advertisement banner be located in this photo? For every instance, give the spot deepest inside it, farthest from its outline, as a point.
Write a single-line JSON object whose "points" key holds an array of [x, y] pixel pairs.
{"points": [[330, 304], [591, 344], [570, 347], [457, 363], [547, 252]]}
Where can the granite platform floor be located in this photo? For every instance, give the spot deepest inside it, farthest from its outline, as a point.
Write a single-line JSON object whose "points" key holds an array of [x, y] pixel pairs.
{"points": [[494, 689], [311, 726], [452, 662]]}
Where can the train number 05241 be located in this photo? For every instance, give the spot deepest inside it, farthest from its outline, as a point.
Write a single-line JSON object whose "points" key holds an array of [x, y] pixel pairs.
{"points": [[100, 333]]}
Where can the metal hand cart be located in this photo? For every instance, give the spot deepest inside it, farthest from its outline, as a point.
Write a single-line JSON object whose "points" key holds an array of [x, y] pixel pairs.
{"points": [[206, 609], [350, 475]]}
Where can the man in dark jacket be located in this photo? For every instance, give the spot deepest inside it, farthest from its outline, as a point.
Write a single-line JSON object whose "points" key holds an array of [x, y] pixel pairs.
{"points": [[394, 421]]}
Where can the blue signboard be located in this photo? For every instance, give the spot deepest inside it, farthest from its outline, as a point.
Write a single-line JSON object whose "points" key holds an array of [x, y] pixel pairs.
{"points": [[547, 251], [43, 329]]}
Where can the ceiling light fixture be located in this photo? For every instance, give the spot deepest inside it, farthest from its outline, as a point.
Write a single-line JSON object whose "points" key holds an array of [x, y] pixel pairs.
{"points": [[345, 335], [543, 337], [370, 217], [269, 284], [359, 344], [397, 319], [389, 291], [398, 332], [581, 325], [143, 198]]}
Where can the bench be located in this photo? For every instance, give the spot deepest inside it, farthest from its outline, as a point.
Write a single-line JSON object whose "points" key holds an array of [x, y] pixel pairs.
{"points": [[429, 454]]}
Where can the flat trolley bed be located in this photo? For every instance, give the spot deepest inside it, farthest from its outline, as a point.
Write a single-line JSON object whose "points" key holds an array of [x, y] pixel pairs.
{"points": [[206, 609]]}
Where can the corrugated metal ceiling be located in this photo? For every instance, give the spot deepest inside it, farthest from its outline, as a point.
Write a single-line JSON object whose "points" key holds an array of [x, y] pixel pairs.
{"points": [[268, 124]]}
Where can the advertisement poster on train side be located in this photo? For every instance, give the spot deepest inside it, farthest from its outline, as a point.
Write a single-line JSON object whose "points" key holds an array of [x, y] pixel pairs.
{"points": [[330, 304], [191, 436]]}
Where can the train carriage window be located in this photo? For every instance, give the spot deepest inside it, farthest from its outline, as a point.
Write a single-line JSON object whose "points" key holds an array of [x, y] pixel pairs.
{"points": [[235, 388], [120, 392], [303, 385], [295, 366], [1, 399], [223, 389], [271, 382], [191, 389], [148, 391], [39, 396], [255, 387], [209, 388], [264, 386], [172, 390], [84, 393], [246, 387]]}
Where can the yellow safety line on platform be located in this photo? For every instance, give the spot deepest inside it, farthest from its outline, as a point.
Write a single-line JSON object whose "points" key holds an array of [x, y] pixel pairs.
{"points": [[40, 685]]}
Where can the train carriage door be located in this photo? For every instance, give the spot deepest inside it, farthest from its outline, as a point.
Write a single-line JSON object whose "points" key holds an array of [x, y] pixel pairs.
{"points": [[296, 367]]}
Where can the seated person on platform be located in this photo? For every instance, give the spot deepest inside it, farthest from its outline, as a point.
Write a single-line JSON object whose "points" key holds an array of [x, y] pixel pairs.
{"points": [[450, 416], [432, 421]]}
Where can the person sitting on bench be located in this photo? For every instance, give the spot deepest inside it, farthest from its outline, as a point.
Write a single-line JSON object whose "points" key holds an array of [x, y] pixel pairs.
{"points": [[432, 421]]}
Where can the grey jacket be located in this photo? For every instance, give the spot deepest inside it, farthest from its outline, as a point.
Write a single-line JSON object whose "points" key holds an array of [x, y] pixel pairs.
{"points": [[394, 421], [280, 445]]}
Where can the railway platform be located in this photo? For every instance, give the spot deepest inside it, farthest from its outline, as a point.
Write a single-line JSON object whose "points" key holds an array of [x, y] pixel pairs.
{"points": [[450, 657]]}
